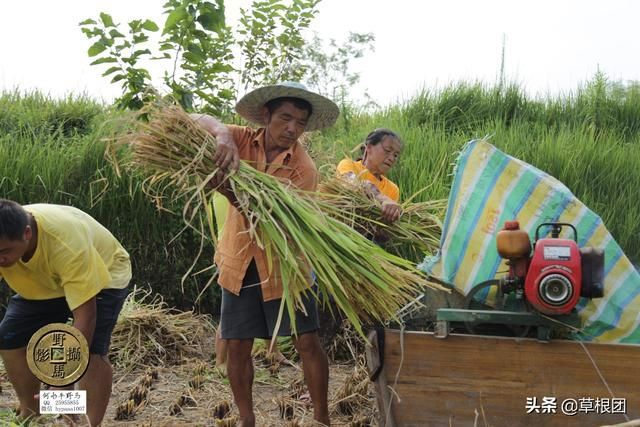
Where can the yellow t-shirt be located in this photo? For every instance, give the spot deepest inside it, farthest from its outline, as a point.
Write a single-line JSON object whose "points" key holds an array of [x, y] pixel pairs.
{"points": [[386, 186], [76, 257]]}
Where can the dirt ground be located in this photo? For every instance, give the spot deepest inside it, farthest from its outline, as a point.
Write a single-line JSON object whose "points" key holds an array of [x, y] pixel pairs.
{"points": [[165, 375], [276, 397]]}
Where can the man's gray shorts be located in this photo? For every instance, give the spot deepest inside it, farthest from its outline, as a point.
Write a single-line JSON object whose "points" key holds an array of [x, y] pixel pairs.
{"points": [[247, 316]]}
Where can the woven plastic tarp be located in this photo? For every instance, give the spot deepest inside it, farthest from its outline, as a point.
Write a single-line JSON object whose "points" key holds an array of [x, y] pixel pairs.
{"points": [[491, 187]]}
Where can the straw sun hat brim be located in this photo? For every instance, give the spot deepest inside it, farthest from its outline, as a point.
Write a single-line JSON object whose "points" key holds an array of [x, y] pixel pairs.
{"points": [[324, 111]]}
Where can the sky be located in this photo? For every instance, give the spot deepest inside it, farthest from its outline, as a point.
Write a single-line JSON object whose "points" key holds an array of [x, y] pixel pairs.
{"points": [[551, 46]]}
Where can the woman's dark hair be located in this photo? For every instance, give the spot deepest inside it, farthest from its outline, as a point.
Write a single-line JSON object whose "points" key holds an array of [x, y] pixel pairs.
{"points": [[375, 137], [13, 220], [300, 103]]}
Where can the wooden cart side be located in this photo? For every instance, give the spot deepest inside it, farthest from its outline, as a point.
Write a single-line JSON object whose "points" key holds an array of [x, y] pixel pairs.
{"points": [[463, 380], [375, 364]]}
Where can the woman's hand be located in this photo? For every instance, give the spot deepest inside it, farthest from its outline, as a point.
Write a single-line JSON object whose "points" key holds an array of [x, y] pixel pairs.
{"points": [[391, 210]]}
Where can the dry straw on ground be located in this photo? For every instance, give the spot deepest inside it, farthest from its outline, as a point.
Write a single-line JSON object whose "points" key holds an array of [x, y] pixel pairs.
{"points": [[169, 401], [148, 333]]}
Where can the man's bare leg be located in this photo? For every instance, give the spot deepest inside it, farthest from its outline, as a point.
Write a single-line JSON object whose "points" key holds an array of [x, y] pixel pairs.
{"points": [[221, 351], [24, 382], [97, 381], [240, 373], [316, 372]]}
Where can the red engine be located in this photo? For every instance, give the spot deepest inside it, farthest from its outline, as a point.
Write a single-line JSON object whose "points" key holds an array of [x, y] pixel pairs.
{"points": [[554, 278], [558, 273]]}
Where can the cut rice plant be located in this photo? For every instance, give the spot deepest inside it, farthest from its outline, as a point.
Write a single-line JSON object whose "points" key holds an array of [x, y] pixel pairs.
{"points": [[187, 400], [139, 394], [175, 409], [153, 373], [126, 410], [184, 400], [146, 380], [137, 398], [200, 369], [228, 422], [298, 231], [221, 410], [196, 382], [419, 227], [363, 421]]}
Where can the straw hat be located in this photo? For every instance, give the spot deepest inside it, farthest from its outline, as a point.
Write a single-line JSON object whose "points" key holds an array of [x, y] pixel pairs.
{"points": [[324, 114]]}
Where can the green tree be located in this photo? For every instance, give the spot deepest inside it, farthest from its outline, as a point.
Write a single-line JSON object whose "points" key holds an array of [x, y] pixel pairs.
{"points": [[329, 69], [195, 43], [271, 41], [122, 53], [201, 71], [196, 33]]}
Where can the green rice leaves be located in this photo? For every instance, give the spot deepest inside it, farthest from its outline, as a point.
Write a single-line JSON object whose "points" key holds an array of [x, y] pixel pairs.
{"points": [[299, 231]]}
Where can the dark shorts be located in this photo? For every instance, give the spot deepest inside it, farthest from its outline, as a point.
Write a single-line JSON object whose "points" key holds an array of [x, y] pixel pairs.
{"points": [[24, 317], [247, 316]]}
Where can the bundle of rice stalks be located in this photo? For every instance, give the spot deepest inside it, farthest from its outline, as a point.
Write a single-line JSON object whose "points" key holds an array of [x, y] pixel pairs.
{"points": [[418, 228], [297, 229], [151, 334]]}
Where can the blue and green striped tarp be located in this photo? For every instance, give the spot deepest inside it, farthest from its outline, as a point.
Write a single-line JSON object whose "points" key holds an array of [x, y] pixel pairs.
{"points": [[491, 187]]}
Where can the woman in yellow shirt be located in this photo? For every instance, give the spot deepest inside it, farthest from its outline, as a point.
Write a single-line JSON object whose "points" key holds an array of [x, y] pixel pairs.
{"points": [[380, 152]]}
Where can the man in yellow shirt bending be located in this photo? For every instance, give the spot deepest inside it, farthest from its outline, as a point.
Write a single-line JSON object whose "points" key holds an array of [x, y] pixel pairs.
{"points": [[61, 263]]}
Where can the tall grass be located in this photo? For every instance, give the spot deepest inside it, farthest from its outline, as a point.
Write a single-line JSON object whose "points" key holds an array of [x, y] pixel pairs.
{"points": [[51, 151], [598, 105], [34, 115], [46, 159], [589, 140]]}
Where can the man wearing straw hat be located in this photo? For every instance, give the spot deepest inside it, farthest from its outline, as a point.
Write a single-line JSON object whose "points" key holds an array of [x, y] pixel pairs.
{"points": [[251, 291]]}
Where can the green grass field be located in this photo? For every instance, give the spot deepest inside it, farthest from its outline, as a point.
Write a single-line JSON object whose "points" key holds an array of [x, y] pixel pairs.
{"points": [[53, 151]]}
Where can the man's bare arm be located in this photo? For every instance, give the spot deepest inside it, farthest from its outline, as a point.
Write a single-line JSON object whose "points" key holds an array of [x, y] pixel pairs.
{"points": [[226, 156]]}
